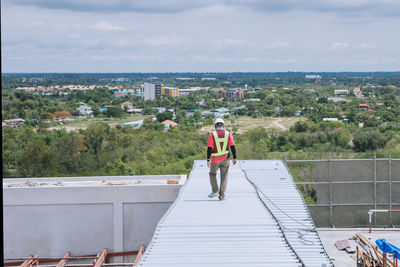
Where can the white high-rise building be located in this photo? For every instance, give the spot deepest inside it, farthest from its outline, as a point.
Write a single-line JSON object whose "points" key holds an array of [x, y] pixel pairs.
{"points": [[152, 90], [149, 91]]}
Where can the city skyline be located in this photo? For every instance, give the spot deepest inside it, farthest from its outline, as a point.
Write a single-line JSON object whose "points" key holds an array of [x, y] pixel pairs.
{"points": [[200, 36]]}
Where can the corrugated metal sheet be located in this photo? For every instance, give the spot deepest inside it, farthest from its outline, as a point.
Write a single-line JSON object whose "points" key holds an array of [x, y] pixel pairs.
{"points": [[284, 201], [238, 231]]}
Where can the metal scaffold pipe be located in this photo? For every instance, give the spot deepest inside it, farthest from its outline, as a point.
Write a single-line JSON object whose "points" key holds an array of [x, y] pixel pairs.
{"points": [[370, 212]]}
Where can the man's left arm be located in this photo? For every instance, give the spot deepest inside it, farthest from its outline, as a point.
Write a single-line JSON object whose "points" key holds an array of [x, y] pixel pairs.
{"points": [[232, 148]]}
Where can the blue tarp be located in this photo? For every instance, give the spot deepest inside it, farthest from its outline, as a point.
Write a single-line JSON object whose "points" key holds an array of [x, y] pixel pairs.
{"points": [[386, 247]]}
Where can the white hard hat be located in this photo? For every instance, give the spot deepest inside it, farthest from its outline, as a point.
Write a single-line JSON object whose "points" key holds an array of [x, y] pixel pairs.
{"points": [[219, 120]]}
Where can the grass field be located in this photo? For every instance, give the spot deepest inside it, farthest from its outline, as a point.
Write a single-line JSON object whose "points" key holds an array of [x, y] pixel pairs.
{"points": [[76, 124], [245, 123]]}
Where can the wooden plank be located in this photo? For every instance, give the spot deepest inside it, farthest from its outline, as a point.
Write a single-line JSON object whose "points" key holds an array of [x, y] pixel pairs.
{"points": [[377, 255], [25, 263], [112, 254], [35, 261], [62, 262], [342, 244], [101, 258], [140, 253]]}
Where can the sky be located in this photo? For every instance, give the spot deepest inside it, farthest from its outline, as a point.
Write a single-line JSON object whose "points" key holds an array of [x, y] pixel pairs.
{"points": [[200, 35]]}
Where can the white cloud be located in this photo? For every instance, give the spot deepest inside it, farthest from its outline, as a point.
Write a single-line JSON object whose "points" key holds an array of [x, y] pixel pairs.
{"points": [[104, 25], [228, 42], [67, 26], [284, 61], [366, 46], [338, 46], [125, 58], [74, 35], [36, 23], [251, 59], [161, 41], [341, 7], [276, 45], [218, 35]]}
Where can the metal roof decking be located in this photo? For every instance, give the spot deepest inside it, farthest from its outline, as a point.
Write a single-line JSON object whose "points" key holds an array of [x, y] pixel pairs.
{"points": [[238, 231], [284, 201]]}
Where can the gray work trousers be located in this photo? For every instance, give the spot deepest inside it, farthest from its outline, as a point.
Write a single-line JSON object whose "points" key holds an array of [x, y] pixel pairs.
{"points": [[223, 167]]}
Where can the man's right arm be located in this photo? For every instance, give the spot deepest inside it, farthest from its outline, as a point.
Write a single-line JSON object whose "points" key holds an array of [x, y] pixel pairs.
{"points": [[210, 146]]}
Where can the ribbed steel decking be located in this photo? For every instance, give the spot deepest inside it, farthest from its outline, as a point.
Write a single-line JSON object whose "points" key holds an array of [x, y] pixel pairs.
{"points": [[240, 230]]}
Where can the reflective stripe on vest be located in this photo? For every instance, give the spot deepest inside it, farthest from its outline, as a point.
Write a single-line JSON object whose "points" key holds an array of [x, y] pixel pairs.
{"points": [[218, 141]]}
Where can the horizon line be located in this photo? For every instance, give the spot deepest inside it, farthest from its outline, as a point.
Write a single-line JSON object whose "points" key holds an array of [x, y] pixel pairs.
{"points": [[200, 72]]}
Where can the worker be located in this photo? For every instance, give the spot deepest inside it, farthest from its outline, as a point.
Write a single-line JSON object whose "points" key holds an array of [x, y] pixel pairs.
{"points": [[218, 145]]}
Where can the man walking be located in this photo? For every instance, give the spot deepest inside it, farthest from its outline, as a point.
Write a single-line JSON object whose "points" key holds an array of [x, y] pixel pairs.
{"points": [[218, 145]]}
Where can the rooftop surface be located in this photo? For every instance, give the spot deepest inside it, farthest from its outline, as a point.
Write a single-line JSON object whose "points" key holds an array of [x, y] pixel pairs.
{"points": [[245, 229], [94, 181], [341, 258]]}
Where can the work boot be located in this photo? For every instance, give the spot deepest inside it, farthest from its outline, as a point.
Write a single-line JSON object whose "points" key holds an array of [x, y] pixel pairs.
{"points": [[213, 194]]}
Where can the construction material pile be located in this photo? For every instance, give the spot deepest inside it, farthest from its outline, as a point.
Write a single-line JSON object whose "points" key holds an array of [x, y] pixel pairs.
{"points": [[370, 255]]}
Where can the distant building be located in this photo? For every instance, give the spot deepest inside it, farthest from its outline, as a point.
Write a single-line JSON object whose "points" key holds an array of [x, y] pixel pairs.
{"points": [[338, 99], [185, 92], [135, 110], [238, 108], [200, 88], [104, 108], [119, 94], [253, 90], [310, 91], [160, 109], [134, 123], [127, 104], [220, 112], [233, 93], [357, 92], [61, 115], [330, 119], [184, 78], [253, 100], [363, 106], [27, 89], [152, 91], [13, 122], [171, 123], [169, 91], [120, 80], [191, 112], [85, 110], [206, 113], [341, 92], [208, 79], [128, 91], [313, 77]]}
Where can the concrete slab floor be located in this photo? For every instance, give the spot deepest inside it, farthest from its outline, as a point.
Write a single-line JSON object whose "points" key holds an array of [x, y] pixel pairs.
{"points": [[341, 258]]}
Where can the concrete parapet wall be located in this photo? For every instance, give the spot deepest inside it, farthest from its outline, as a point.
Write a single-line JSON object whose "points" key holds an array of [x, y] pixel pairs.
{"points": [[84, 217]]}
